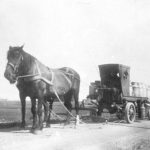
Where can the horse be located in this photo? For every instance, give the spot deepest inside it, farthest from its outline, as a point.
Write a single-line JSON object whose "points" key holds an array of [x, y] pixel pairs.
{"points": [[40, 82]]}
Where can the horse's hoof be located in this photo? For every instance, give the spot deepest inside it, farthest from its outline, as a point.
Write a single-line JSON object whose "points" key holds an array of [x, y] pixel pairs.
{"points": [[22, 126], [41, 127], [77, 124], [77, 120], [48, 125], [36, 131], [32, 130], [66, 123]]}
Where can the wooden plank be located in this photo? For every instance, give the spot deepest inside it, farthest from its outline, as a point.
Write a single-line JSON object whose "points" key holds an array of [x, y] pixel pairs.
{"points": [[134, 99]]}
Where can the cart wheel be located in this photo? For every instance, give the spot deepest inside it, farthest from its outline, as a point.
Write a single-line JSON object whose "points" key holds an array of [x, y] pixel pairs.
{"points": [[130, 113], [148, 114]]}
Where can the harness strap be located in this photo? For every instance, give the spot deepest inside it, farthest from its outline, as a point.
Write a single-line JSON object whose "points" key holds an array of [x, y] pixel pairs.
{"points": [[45, 80], [42, 78], [15, 66], [11, 64], [54, 114], [38, 76], [26, 76], [62, 103], [52, 73], [70, 74], [38, 69], [70, 84]]}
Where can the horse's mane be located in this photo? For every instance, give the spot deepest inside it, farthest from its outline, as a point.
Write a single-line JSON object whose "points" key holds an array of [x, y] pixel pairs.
{"points": [[28, 57], [28, 60]]}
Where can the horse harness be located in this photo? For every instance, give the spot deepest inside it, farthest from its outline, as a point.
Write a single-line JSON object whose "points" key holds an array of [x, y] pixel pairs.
{"points": [[38, 76]]}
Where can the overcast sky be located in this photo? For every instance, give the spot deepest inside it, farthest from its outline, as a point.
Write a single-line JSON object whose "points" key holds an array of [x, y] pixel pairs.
{"points": [[81, 34]]}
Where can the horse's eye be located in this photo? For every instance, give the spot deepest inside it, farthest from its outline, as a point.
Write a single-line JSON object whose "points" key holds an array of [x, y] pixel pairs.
{"points": [[17, 54]]}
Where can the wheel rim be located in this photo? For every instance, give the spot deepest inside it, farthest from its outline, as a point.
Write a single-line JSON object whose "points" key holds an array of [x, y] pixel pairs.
{"points": [[131, 113], [148, 114]]}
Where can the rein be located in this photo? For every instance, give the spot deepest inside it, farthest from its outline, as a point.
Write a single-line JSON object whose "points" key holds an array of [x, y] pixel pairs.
{"points": [[26, 76]]}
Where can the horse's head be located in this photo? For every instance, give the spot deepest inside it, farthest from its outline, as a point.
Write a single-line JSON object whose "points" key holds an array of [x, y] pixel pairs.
{"points": [[14, 58]]}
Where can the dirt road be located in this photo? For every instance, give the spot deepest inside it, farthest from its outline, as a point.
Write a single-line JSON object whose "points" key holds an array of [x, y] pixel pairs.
{"points": [[111, 136]]}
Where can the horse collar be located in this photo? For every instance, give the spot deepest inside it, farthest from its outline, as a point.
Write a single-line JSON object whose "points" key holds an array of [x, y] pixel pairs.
{"points": [[37, 76]]}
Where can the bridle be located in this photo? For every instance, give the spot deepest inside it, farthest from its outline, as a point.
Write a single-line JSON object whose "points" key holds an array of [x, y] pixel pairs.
{"points": [[16, 66]]}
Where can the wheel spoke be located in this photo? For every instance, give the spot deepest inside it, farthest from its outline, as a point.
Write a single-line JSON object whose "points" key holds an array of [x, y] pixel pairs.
{"points": [[130, 112]]}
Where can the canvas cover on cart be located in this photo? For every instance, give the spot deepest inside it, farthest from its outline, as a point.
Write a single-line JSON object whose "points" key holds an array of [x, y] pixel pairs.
{"points": [[115, 76]]}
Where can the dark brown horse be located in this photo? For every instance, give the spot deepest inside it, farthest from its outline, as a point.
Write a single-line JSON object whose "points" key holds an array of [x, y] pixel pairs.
{"points": [[39, 82]]}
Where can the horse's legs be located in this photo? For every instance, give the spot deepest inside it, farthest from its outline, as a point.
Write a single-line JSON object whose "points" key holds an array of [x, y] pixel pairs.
{"points": [[50, 110], [76, 98], [23, 109], [40, 102], [46, 110], [68, 105], [34, 112]]}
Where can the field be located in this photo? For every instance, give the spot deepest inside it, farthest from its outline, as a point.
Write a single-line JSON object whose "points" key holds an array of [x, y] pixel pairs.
{"points": [[92, 134], [10, 111]]}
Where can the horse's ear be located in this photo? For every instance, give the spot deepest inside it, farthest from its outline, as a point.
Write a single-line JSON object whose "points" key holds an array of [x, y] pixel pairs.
{"points": [[10, 47], [21, 47]]}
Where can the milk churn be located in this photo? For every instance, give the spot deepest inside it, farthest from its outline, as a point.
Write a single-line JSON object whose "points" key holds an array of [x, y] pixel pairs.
{"points": [[142, 111], [131, 89], [141, 92], [144, 90], [146, 86], [148, 91], [92, 88], [136, 89]]}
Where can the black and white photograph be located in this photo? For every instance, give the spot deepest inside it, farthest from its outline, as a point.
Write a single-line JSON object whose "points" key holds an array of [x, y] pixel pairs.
{"points": [[75, 75]]}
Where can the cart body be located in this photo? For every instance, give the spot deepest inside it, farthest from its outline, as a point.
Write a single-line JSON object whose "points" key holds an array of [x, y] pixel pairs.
{"points": [[113, 93]]}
